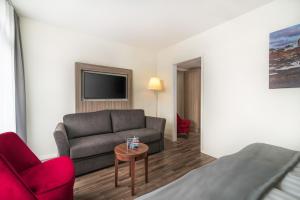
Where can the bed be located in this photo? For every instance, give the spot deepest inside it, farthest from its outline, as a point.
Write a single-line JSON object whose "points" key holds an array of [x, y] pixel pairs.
{"points": [[259, 171]]}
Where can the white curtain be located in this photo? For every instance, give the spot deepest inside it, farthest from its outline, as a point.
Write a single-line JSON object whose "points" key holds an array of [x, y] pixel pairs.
{"points": [[7, 73]]}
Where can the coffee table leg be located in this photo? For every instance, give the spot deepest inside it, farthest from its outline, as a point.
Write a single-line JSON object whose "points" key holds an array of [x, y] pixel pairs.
{"points": [[146, 169], [116, 172], [129, 169], [132, 163]]}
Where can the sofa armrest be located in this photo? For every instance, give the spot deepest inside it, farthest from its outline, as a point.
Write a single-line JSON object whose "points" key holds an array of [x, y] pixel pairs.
{"points": [[156, 123], [61, 139]]}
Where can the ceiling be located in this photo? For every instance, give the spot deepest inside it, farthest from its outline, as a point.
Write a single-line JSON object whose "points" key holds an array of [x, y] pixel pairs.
{"points": [[152, 24]]}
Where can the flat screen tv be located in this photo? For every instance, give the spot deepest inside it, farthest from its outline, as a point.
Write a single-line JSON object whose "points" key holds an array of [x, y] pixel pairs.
{"points": [[103, 86]]}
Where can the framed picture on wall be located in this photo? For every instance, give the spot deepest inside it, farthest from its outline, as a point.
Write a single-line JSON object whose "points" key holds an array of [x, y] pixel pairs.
{"points": [[284, 58]]}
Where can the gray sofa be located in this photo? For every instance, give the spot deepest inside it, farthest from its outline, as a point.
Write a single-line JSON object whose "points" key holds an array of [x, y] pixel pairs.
{"points": [[89, 138]]}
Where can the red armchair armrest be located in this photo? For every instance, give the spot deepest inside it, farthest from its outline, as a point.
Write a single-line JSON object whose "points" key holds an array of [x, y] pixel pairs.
{"points": [[24, 177], [12, 186]]}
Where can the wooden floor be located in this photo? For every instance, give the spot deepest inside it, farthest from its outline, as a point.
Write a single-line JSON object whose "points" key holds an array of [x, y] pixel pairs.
{"points": [[177, 159]]}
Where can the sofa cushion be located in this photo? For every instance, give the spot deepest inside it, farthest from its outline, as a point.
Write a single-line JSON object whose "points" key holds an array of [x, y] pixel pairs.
{"points": [[85, 124], [49, 175], [146, 135], [123, 120], [94, 145]]}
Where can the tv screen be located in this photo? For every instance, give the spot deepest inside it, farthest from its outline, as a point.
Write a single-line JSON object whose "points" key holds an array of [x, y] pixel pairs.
{"points": [[104, 86]]}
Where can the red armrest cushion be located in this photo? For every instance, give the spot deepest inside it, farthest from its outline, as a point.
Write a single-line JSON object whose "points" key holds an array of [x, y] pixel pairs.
{"points": [[12, 186], [50, 175]]}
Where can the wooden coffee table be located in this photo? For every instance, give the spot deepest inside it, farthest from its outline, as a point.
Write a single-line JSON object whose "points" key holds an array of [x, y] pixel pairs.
{"points": [[131, 155]]}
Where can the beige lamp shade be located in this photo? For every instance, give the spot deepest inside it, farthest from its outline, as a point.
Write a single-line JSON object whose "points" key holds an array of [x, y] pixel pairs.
{"points": [[155, 84]]}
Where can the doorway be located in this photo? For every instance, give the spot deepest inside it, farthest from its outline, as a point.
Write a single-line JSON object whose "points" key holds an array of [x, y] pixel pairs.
{"points": [[188, 96]]}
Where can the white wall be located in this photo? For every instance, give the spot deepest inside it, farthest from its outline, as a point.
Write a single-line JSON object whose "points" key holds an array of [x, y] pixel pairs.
{"points": [[239, 109], [50, 54]]}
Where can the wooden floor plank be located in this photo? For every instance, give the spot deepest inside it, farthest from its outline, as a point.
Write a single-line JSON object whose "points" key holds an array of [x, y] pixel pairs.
{"points": [[178, 159]]}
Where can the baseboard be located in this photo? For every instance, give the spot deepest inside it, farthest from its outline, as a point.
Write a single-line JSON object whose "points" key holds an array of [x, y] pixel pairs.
{"points": [[47, 156], [210, 154]]}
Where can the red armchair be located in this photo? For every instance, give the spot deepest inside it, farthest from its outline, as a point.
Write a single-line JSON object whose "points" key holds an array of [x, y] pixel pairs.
{"points": [[24, 177], [183, 126]]}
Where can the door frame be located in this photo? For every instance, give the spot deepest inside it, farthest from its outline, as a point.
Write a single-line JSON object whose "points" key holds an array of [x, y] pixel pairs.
{"points": [[174, 134]]}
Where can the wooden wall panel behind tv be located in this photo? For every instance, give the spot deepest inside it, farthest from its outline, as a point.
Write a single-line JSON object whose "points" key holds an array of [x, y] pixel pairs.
{"points": [[95, 105]]}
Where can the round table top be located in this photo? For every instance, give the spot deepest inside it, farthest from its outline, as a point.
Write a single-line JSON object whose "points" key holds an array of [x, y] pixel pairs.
{"points": [[122, 149]]}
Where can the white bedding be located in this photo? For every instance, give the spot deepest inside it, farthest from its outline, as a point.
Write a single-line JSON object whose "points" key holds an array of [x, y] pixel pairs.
{"points": [[288, 188]]}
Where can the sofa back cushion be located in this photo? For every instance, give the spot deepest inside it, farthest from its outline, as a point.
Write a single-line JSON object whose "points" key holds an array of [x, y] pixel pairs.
{"points": [[123, 120], [85, 124]]}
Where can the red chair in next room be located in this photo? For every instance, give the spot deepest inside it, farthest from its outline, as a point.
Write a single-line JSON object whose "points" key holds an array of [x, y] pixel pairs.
{"points": [[183, 126], [24, 177]]}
